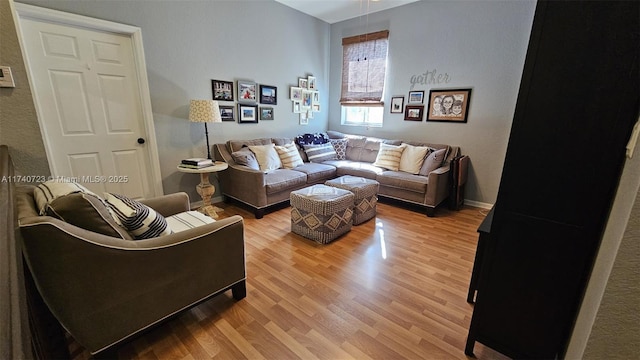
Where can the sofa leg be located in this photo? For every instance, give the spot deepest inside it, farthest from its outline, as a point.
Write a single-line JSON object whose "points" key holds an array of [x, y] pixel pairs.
{"points": [[431, 212], [259, 213], [239, 290]]}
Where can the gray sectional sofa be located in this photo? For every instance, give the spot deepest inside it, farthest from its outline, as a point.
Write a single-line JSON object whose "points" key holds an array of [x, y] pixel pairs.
{"points": [[261, 190]]}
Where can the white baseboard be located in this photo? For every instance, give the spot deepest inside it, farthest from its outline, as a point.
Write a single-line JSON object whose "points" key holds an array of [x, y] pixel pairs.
{"points": [[478, 204]]}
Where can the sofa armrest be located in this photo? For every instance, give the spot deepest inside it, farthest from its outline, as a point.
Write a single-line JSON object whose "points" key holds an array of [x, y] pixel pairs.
{"points": [[103, 289], [244, 184], [168, 205], [438, 187]]}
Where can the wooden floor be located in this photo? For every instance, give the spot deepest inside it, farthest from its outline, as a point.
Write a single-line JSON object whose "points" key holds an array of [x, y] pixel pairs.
{"points": [[394, 287]]}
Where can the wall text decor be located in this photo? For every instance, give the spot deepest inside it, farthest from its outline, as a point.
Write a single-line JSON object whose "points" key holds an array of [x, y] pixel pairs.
{"points": [[430, 77]]}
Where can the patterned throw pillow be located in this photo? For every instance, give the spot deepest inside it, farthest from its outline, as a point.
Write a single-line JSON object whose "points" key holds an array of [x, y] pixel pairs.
{"points": [[267, 157], [412, 158], [188, 220], [312, 139], [320, 153], [141, 221], [50, 190], [340, 145], [389, 156], [289, 156]]}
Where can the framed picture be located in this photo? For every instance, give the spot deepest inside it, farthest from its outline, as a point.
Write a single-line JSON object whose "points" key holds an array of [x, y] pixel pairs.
{"points": [[449, 105], [304, 120], [315, 97], [247, 114], [266, 113], [414, 112], [268, 95], [416, 97], [296, 107], [246, 91], [303, 83], [222, 90], [296, 94], [311, 82], [307, 99], [315, 108], [226, 112], [397, 102]]}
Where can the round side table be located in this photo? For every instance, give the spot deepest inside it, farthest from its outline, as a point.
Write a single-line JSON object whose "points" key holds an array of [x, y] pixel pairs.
{"points": [[205, 189]]}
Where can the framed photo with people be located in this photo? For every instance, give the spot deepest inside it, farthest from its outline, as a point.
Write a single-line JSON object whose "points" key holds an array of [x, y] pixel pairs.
{"points": [[247, 91], [451, 105]]}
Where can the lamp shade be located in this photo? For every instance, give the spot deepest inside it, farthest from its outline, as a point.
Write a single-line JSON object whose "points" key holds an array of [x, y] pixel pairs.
{"points": [[204, 111]]}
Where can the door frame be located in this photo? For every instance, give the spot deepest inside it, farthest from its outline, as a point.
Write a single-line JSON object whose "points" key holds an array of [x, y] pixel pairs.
{"points": [[135, 34]]}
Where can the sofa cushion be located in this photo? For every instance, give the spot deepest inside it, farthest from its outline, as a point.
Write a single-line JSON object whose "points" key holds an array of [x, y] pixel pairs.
{"points": [[433, 161], [356, 168], [320, 153], [340, 146], [267, 156], [187, 220], [289, 155], [245, 157], [282, 141], [317, 172], [283, 179], [389, 157], [140, 220], [235, 145], [355, 144], [403, 180], [76, 205], [413, 158]]}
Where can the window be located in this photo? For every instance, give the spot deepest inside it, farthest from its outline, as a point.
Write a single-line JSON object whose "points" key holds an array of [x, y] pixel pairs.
{"points": [[362, 115], [364, 63]]}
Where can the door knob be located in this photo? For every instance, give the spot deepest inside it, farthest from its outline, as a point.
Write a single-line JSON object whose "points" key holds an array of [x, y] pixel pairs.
{"points": [[140, 141]]}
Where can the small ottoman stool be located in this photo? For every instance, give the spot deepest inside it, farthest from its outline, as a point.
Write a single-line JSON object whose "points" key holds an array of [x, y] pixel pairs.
{"points": [[366, 195], [321, 213]]}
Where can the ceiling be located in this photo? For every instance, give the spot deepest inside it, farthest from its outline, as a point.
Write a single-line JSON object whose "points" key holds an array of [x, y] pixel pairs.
{"points": [[333, 11]]}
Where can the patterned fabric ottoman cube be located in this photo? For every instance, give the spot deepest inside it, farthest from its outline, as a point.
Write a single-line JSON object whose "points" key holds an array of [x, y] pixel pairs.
{"points": [[321, 213], [366, 195]]}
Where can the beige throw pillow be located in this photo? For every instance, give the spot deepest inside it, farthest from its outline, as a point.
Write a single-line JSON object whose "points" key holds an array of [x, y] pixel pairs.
{"points": [[267, 157], [412, 158], [389, 156], [289, 156]]}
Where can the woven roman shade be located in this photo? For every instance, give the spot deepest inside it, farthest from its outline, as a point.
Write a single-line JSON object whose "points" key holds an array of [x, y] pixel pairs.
{"points": [[364, 63]]}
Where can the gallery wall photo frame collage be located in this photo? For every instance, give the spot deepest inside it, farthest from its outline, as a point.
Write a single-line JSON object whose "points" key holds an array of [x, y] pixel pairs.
{"points": [[443, 105], [248, 96], [305, 98]]}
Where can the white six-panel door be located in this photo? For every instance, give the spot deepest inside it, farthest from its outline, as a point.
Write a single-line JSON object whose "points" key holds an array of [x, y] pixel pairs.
{"points": [[90, 110]]}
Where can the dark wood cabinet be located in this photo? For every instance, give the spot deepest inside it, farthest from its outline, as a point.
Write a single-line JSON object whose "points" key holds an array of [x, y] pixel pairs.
{"points": [[577, 104]]}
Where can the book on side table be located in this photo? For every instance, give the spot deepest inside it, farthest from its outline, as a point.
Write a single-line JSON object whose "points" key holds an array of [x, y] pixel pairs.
{"points": [[196, 163]]}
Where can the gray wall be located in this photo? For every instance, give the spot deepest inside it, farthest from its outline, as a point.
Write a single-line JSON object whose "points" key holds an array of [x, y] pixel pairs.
{"points": [[19, 128], [188, 43], [479, 44]]}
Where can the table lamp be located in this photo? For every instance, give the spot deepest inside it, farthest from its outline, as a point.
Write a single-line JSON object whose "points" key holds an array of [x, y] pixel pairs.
{"points": [[205, 111]]}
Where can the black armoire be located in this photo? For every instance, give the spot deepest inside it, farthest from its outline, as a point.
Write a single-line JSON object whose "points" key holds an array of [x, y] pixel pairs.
{"points": [[577, 104]]}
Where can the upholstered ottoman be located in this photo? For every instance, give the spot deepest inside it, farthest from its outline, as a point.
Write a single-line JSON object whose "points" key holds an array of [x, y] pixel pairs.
{"points": [[321, 213], [366, 195]]}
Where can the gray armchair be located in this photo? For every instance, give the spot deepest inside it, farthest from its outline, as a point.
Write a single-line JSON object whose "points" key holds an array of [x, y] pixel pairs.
{"points": [[104, 289]]}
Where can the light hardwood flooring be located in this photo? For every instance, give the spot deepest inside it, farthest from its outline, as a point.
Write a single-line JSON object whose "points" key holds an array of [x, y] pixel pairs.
{"points": [[394, 287]]}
